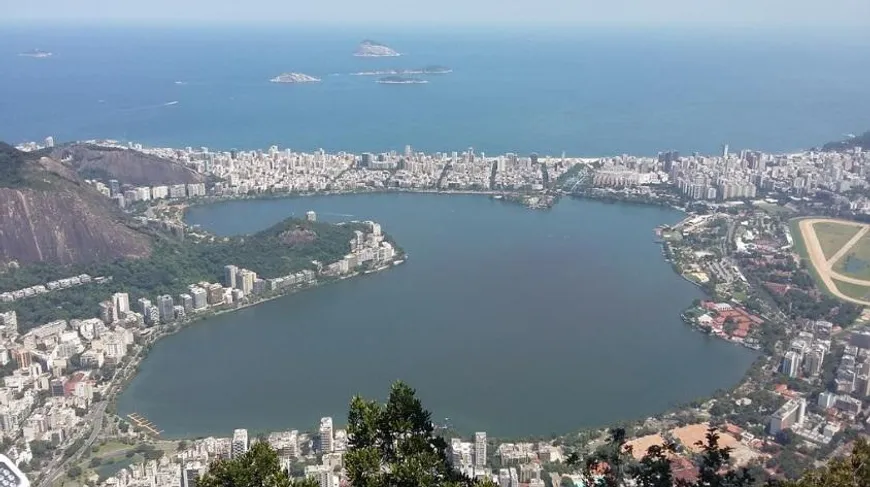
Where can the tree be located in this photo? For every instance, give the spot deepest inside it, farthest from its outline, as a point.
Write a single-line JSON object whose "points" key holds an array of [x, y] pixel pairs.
{"points": [[853, 471], [613, 465], [394, 444], [258, 467], [74, 471], [730, 326], [784, 437], [40, 448]]}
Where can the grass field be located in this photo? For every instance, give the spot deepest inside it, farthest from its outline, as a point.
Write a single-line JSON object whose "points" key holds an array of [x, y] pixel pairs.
{"points": [[861, 252], [774, 209], [801, 248], [833, 236], [853, 290]]}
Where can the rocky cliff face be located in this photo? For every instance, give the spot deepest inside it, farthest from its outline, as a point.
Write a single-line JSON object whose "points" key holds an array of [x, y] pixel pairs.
{"points": [[48, 215], [127, 166]]}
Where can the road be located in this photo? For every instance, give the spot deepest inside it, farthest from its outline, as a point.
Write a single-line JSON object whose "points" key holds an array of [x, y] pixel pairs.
{"points": [[55, 470], [823, 266], [96, 418]]}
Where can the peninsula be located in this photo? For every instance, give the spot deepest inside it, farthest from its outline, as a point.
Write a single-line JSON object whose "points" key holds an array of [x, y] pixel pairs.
{"points": [[369, 48], [401, 80], [294, 78]]}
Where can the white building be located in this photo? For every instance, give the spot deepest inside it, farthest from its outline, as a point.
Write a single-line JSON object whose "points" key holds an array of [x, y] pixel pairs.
{"points": [[827, 400], [240, 443], [327, 439], [480, 449], [790, 414], [121, 301], [791, 363]]}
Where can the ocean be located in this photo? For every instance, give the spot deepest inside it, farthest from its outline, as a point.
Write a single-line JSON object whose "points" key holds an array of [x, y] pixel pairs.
{"points": [[583, 91]]}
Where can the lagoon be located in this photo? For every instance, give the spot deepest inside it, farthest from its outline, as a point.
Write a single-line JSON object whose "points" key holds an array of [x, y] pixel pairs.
{"points": [[507, 320]]}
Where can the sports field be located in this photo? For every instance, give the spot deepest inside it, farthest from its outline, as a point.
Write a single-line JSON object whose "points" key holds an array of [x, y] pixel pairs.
{"points": [[836, 250], [834, 235]]}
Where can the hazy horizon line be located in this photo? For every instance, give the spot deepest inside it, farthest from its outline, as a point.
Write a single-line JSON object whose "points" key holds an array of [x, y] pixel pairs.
{"points": [[421, 24]]}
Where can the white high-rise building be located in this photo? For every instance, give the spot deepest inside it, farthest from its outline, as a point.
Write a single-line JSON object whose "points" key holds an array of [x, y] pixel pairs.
{"points": [[311, 216], [200, 297], [827, 400], [791, 363], [230, 275], [480, 449], [813, 361], [240, 443], [504, 478], [790, 414], [121, 301], [166, 305], [49, 141], [245, 280], [327, 440]]}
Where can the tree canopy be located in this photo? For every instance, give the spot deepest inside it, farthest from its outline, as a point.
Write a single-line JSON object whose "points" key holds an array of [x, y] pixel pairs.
{"points": [[394, 444], [258, 467], [852, 471]]}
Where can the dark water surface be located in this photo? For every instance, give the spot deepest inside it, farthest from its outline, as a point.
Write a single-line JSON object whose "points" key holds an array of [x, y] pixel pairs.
{"points": [[507, 320]]}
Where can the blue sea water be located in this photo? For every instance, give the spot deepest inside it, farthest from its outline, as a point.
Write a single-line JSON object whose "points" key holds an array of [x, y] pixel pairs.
{"points": [[587, 92]]}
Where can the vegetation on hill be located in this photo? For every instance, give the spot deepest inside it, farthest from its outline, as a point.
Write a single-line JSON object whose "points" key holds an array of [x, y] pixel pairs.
{"points": [[862, 140], [11, 166], [394, 444], [282, 249]]}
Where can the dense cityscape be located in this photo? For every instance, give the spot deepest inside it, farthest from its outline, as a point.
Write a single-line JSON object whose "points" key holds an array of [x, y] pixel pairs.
{"points": [[803, 400]]}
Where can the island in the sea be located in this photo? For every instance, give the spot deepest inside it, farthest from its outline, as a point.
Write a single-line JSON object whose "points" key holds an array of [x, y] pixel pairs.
{"points": [[37, 53], [369, 48], [405, 72], [401, 80], [294, 78]]}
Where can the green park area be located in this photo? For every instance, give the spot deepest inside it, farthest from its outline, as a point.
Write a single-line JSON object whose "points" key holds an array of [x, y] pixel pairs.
{"points": [[833, 236], [106, 458], [853, 290], [856, 262]]}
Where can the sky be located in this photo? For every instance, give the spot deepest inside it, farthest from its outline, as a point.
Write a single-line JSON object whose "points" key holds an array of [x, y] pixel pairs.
{"points": [[725, 13]]}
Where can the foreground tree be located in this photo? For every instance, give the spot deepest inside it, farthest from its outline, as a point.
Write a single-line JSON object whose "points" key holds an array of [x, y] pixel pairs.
{"points": [[394, 444], [613, 465], [853, 471], [259, 467]]}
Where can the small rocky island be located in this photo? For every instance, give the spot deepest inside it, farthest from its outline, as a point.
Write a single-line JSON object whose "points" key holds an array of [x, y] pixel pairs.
{"points": [[369, 48], [405, 72], [294, 78], [401, 80], [37, 53]]}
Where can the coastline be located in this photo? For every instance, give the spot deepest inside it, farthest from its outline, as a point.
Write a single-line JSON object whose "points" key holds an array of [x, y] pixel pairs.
{"points": [[115, 389]]}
